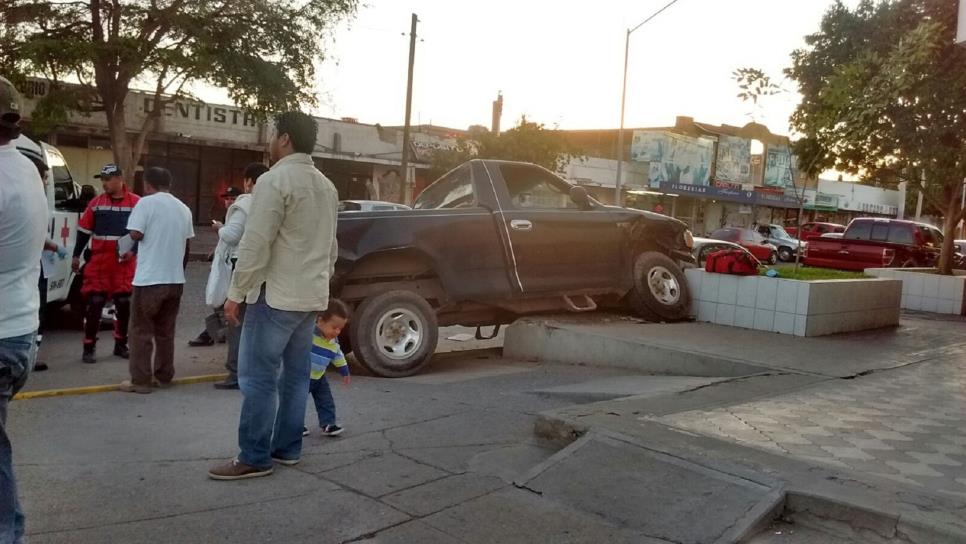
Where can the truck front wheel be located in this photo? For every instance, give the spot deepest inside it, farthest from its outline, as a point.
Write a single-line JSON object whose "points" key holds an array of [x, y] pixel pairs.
{"points": [[660, 292], [394, 334]]}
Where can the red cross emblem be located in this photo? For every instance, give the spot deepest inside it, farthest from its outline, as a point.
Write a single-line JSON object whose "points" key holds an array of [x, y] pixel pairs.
{"points": [[65, 232]]}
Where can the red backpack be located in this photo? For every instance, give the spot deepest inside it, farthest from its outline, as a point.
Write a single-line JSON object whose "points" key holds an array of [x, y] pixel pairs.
{"points": [[731, 261]]}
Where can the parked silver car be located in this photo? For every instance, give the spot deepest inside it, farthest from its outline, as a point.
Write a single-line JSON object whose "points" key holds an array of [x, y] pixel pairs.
{"points": [[706, 246]]}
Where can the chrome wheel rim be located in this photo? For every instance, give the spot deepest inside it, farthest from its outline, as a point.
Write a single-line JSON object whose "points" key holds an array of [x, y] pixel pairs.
{"points": [[663, 285], [399, 333]]}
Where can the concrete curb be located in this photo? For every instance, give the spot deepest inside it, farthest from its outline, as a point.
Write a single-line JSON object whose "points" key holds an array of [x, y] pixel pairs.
{"points": [[92, 389], [545, 341], [756, 519]]}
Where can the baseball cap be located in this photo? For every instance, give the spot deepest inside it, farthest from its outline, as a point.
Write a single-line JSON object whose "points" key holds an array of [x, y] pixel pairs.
{"points": [[109, 171], [9, 105], [232, 192]]}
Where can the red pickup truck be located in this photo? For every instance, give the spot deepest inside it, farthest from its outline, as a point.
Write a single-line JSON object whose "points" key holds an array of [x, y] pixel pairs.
{"points": [[814, 230], [877, 243]]}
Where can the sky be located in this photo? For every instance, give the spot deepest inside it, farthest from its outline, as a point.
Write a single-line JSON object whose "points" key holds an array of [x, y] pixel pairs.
{"points": [[560, 62]]}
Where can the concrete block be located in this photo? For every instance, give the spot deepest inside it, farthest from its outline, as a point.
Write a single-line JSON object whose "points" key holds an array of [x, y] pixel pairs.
{"points": [[801, 307], [744, 317], [829, 297], [915, 302], [912, 283], [709, 287], [727, 289], [725, 314], [786, 300], [801, 324], [747, 291], [764, 320], [930, 304], [945, 306], [706, 311], [958, 289], [767, 294], [784, 323], [694, 277], [891, 296], [820, 325], [930, 285], [947, 287], [905, 301]]}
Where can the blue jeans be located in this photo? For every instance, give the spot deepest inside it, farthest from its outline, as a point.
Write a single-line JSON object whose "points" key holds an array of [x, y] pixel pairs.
{"points": [[17, 356], [324, 404], [273, 374]]}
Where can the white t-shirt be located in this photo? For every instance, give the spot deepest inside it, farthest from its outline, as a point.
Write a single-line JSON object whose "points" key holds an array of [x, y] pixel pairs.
{"points": [[23, 230], [166, 224]]}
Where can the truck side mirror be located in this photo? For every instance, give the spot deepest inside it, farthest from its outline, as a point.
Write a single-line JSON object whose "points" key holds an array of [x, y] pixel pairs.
{"points": [[580, 197]]}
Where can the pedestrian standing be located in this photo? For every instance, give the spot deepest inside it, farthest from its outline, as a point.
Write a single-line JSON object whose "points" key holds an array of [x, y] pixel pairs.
{"points": [[285, 260], [106, 274], [23, 229], [33, 152], [161, 225], [230, 234]]}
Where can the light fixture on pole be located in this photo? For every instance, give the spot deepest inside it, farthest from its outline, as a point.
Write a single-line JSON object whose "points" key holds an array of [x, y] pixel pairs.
{"points": [[620, 133]]}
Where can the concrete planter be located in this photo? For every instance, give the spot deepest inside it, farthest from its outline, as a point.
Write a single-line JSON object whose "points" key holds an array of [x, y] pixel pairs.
{"points": [[800, 308], [926, 291]]}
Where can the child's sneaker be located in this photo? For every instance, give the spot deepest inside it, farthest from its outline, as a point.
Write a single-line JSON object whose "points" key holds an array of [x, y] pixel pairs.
{"points": [[305, 431], [331, 430]]}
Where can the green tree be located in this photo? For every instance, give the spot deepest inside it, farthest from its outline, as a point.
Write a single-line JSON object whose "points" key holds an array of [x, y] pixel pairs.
{"points": [[527, 142], [882, 97], [263, 52]]}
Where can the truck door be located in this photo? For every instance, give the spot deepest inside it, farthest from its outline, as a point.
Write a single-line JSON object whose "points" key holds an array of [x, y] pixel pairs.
{"points": [[61, 190], [558, 247], [855, 253]]}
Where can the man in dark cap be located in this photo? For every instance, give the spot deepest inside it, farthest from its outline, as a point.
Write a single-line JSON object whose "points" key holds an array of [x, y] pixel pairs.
{"points": [[107, 275]]}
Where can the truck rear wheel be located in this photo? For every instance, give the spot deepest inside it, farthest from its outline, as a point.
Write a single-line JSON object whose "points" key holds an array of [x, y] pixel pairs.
{"points": [[394, 334], [660, 291]]}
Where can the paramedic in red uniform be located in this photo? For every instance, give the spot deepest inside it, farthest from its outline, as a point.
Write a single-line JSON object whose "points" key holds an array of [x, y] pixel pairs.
{"points": [[106, 275]]}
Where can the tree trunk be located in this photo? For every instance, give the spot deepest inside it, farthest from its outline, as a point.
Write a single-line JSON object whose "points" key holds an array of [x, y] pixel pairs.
{"points": [[120, 143], [949, 234]]}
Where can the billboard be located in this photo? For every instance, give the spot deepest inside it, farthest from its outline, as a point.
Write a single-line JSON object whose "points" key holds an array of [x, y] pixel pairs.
{"points": [[779, 165], [673, 158], [734, 160]]}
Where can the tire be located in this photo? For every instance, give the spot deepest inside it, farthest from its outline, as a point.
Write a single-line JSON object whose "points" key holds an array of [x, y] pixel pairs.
{"points": [[660, 291], [786, 254], [773, 258], [377, 325]]}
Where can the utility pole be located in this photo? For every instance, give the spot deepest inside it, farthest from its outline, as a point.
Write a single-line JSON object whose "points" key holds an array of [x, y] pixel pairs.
{"points": [[405, 182]]}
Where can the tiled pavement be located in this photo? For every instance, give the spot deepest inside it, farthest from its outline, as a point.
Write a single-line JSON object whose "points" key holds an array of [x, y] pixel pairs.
{"points": [[906, 424]]}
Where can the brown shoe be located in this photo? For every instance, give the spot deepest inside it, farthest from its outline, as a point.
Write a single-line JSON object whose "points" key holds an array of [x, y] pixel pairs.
{"points": [[236, 470], [157, 384], [128, 387]]}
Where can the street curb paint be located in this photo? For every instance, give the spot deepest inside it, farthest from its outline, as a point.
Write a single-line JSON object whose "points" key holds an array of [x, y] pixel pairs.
{"points": [[92, 389]]}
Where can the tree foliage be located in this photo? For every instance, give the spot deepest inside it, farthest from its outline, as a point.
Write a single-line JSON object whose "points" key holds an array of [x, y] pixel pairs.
{"points": [[263, 52], [527, 142], [882, 97]]}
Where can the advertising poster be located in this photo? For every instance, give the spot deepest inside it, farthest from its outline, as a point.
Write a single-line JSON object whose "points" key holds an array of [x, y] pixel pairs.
{"points": [[734, 160], [673, 158], [778, 167]]}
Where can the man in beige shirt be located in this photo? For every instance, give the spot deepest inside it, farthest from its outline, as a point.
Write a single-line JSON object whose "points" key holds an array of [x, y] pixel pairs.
{"points": [[285, 260]]}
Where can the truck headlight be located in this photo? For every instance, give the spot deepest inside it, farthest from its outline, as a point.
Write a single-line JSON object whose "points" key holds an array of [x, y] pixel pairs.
{"points": [[688, 239]]}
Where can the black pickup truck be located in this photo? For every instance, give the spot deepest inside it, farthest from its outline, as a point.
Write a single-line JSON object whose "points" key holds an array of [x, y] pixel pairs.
{"points": [[488, 242]]}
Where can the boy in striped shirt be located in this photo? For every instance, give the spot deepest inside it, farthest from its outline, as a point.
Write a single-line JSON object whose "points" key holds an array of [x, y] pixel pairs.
{"points": [[326, 351]]}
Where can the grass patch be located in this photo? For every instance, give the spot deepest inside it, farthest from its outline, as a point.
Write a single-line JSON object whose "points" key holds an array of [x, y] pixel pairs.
{"points": [[809, 273]]}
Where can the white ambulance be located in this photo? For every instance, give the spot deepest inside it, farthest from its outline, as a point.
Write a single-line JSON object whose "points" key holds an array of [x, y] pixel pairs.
{"points": [[65, 204]]}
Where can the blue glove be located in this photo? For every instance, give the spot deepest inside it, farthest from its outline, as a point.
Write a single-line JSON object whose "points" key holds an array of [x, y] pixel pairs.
{"points": [[772, 273], [61, 252]]}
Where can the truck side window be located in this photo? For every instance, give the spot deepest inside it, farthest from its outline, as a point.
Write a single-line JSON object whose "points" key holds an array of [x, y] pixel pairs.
{"points": [[901, 234], [880, 232], [858, 231], [454, 190], [533, 188]]}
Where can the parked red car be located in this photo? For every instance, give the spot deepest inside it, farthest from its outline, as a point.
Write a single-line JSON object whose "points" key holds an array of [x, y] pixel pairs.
{"points": [[814, 229], [877, 243], [749, 239]]}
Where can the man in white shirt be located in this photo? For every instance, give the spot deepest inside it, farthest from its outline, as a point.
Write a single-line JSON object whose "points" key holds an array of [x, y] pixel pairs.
{"points": [[23, 230], [161, 225]]}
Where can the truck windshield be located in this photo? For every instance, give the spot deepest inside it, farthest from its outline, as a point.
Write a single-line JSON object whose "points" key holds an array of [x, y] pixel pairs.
{"points": [[454, 190], [63, 182]]}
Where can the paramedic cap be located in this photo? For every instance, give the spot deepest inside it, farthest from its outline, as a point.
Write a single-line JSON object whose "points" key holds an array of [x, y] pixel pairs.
{"points": [[109, 171]]}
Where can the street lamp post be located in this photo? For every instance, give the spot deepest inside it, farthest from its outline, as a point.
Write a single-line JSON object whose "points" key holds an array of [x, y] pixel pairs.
{"points": [[620, 133]]}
